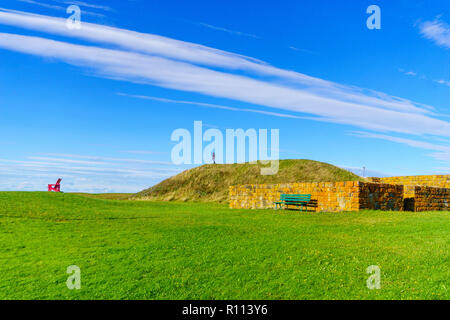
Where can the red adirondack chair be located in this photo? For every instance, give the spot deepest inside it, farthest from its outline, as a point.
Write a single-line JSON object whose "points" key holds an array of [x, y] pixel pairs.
{"points": [[55, 187]]}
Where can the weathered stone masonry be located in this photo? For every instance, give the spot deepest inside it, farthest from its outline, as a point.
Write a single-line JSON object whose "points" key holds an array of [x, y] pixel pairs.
{"points": [[438, 181], [422, 193], [328, 196], [431, 199]]}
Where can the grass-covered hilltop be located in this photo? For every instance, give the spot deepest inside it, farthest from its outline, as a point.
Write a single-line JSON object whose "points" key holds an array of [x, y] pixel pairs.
{"points": [[209, 183]]}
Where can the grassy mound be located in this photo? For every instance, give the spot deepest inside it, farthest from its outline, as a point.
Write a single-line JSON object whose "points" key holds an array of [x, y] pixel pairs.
{"points": [[209, 183]]}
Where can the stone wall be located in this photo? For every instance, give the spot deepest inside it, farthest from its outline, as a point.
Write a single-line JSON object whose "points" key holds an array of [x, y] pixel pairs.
{"points": [[326, 196], [381, 196], [438, 181], [431, 199]]}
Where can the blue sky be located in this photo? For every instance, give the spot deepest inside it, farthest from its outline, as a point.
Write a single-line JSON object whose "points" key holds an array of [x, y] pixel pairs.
{"points": [[97, 106]]}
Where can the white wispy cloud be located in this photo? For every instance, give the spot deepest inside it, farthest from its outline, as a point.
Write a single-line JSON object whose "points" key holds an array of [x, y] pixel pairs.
{"points": [[43, 4], [437, 31], [239, 33], [101, 158], [360, 171], [408, 73], [301, 50], [130, 66], [59, 8], [142, 152], [444, 82], [424, 77], [198, 54], [83, 173], [442, 151], [85, 4], [214, 106], [174, 64], [84, 167]]}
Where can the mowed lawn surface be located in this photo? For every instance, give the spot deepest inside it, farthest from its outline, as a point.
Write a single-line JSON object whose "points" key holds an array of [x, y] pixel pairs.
{"points": [[157, 250]]}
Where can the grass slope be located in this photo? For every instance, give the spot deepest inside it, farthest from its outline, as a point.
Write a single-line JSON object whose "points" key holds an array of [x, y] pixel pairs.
{"points": [[210, 182], [170, 250]]}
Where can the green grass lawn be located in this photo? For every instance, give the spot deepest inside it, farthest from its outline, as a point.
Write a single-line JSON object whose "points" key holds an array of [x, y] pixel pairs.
{"points": [[106, 196], [159, 250]]}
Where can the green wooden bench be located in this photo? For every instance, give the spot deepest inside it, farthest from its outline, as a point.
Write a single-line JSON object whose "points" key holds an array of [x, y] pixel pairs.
{"points": [[298, 200]]}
